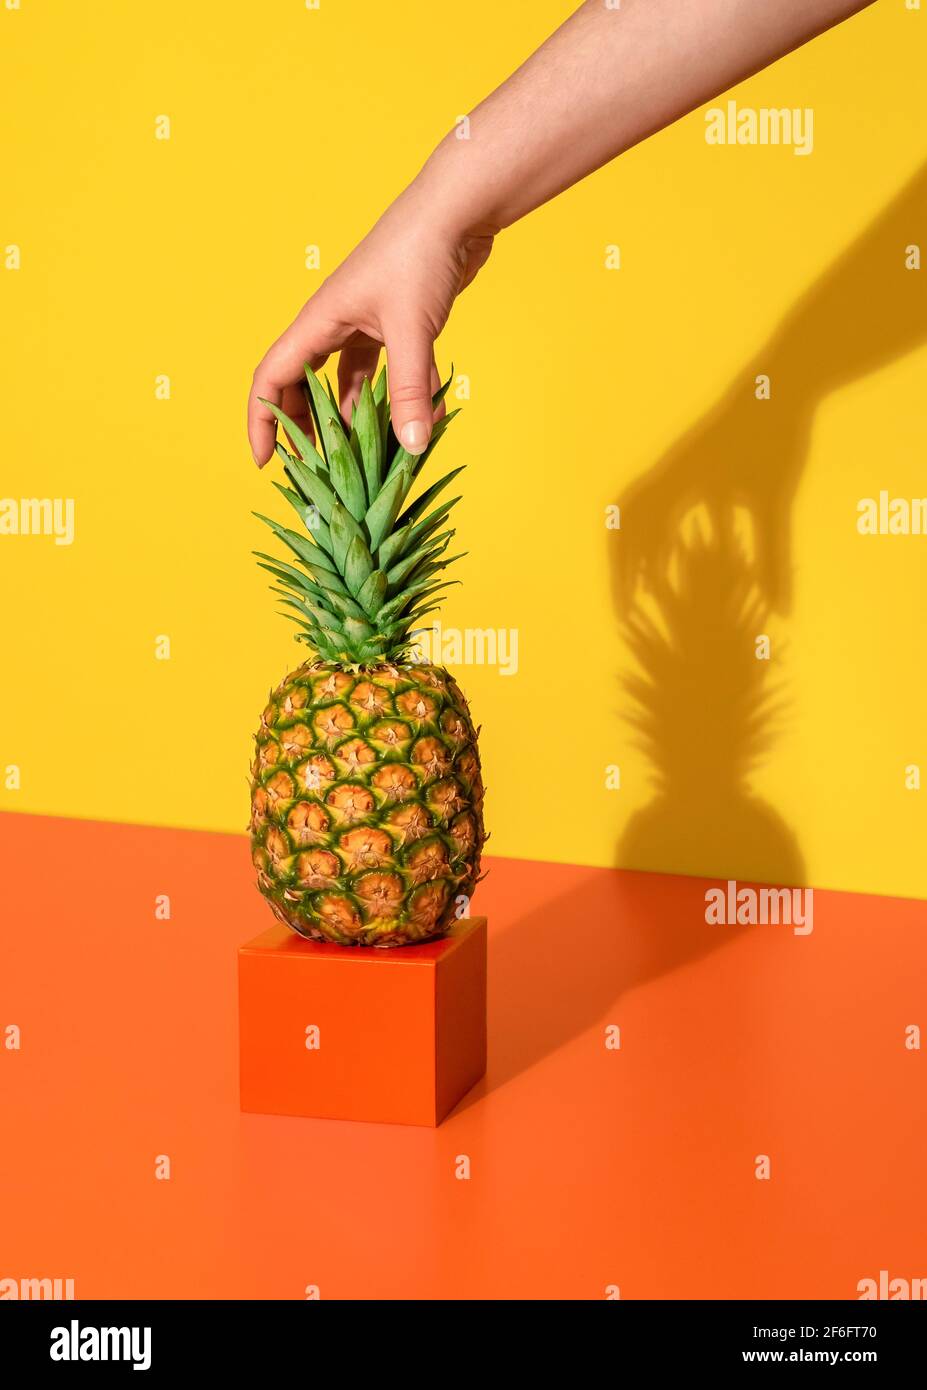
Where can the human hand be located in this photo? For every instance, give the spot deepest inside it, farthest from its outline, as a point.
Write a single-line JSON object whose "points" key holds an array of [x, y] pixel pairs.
{"points": [[638, 67], [395, 290]]}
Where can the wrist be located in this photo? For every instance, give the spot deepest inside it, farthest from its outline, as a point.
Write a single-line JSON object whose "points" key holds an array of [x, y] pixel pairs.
{"points": [[451, 193]]}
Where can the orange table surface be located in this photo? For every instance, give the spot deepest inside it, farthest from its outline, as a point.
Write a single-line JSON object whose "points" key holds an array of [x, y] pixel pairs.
{"points": [[589, 1167]]}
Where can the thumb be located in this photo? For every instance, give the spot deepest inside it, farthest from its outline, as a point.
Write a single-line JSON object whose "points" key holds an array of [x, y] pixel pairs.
{"points": [[409, 349]]}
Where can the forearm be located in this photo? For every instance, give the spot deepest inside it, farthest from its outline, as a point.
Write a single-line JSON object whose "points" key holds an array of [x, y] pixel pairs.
{"points": [[604, 81]]}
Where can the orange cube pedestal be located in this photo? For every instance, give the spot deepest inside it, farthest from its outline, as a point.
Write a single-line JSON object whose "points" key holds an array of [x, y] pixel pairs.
{"points": [[354, 1033]]}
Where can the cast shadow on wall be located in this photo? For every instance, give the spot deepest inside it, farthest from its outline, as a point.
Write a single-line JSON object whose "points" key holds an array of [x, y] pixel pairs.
{"points": [[701, 562], [704, 559]]}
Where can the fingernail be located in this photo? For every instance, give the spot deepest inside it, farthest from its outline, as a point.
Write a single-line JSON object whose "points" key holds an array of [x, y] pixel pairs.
{"points": [[414, 437]]}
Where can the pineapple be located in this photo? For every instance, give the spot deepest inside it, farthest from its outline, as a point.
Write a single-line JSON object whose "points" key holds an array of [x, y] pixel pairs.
{"points": [[366, 798]]}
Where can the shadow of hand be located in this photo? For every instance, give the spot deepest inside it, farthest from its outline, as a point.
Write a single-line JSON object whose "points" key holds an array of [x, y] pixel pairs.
{"points": [[740, 466]]}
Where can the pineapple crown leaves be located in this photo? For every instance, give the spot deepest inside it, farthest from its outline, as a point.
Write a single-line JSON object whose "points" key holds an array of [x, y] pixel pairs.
{"points": [[370, 559]]}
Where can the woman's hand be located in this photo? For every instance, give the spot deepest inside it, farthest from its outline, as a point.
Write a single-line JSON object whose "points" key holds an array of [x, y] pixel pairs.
{"points": [[395, 290], [609, 77]]}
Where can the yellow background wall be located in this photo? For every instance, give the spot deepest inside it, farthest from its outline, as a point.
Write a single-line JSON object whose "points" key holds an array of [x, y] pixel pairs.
{"points": [[632, 386]]}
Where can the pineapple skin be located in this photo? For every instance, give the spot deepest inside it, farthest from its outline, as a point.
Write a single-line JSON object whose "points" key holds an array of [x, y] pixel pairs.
{"points": [[367, 803]]}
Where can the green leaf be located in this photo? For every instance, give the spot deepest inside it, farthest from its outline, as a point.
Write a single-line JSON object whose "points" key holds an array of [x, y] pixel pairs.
{"points": [[313, 486], [373, 593], [400, 458], [317, 602], [437, 431], [345, 607], [343, 528], [393, 546], [326, 416], [316, 464], [354, 441], [426, 571], [324, 579], [292, 464], [333, 584], [288, 574], [379, 387], [406, 565], [356, 629], [309, 553], [347, 478], [395, 606], [385, 509], [419, 460], [328, 623], [414, 511], [316, 598], [306, 619], [439, 395], [373, 650], [369, 439], [357, 566], [381, 401], [327, 642], [430, 523], [413, 620], [288, 596], [298, 439], [403, 626], [318, 617], [311, 518], [339, 603], [392, 451], [308, 630]]}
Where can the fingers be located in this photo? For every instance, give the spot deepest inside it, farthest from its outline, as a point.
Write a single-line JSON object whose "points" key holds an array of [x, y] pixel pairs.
{"points": [[359, 358], [310, 338], [409, 360]]}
